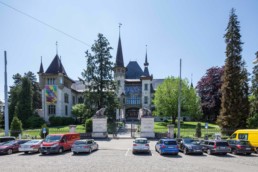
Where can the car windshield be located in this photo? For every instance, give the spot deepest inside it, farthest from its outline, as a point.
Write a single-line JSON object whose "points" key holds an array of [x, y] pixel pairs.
{"points": [[222, 144], [8, 143], [244, 143], [170, 142], [33, 142], [52, 138], [79, 142], [141, 141]]}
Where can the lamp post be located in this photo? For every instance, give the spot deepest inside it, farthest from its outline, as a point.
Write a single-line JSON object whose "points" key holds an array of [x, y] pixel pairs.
{"points": [[122, 102], [179, 102]]}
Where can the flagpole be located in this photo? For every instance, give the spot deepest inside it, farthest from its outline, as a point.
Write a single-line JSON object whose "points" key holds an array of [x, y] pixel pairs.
{"points": [[6, 116]]}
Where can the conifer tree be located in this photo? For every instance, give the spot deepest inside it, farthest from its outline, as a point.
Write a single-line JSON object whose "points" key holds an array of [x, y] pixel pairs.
{"points": [[234, 104], [99, 79]]}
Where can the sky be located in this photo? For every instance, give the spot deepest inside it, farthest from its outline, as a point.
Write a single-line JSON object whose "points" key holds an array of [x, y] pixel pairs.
{"points": [[192, 30]]}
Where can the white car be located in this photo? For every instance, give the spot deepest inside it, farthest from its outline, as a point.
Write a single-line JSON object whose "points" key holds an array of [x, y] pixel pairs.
{"points": [[141, 145], [30, 146], [84, 146]]}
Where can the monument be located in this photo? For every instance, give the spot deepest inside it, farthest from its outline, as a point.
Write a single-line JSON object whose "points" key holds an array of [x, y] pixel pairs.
{"points": [[147, 123], [99, 124]]}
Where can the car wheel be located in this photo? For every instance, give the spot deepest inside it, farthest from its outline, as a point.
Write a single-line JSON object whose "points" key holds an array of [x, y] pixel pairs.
{"points": [[74, 153], [234, 152], [185, 151], [248, 153], [90, 150], [209, 152], [43, 153], [97, 147], [10, 151], [60, 150], [26, 152], [156, 149], [176, 154]]}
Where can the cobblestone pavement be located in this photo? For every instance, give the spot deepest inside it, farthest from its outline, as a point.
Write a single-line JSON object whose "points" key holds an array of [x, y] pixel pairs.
{"points": [[116, 155]]}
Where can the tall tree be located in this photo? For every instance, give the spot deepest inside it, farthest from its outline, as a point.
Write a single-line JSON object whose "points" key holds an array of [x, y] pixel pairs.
{"points": [[253, 118], [208, 89], [24, 106], [166, 99], [15, 90], [234, 87], [98, 76]]}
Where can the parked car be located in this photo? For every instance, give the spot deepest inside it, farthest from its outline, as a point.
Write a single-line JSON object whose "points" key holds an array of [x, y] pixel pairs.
{"points": [[57, 143], [190, 146], [6, 138], [167, 146], [250, 135], [84, 146], [141, 145], [240, 147], [11, 146], [30, 146], [215, 147]]}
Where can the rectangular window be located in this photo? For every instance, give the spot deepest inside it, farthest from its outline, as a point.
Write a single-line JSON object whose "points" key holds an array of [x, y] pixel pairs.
{"points": [[66, 110], [243, 136], [73, 99], [146, 87], [51, 81], [145, 100], [118, 83], [66, 98], [51, 109]]}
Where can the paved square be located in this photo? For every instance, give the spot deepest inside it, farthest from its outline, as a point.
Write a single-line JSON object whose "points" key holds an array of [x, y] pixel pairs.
{"points": [[116, 155]]}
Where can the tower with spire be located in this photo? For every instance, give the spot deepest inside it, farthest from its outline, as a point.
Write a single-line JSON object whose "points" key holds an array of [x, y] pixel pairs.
{"points": [[119, 77], [56, 89], [146, 79]]}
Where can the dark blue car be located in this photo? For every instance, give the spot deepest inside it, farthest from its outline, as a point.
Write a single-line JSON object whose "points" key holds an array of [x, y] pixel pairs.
{"points": [[167, 146]]}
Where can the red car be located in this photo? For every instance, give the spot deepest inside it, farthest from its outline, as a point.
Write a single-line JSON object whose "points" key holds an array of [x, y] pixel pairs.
{"points": [[11, 146], [57, 143]]}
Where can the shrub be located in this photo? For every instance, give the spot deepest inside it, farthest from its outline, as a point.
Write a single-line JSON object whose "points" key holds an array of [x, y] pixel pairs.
{"points": [[16, 127], [198, 131], [59, 121], [35, 121], [42, 135], [88, 125]]}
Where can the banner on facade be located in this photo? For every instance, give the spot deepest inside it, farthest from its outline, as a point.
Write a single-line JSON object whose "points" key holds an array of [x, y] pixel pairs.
{"points": [[51, 94]]}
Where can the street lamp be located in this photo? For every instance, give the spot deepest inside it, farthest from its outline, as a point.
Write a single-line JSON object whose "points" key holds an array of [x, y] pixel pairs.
{"points": [[122, 102]]}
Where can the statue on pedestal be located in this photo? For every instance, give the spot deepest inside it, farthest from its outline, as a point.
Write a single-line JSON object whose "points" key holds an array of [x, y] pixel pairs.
{"points": [[100, 113], [144, 112]]}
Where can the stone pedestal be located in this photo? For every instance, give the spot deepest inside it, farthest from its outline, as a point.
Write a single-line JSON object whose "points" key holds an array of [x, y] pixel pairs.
{"points": [[171, 131], [147, 127], [72, 128], [99, 128]]}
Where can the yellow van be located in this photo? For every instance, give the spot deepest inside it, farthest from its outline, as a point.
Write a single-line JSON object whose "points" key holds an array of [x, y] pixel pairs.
{"points": [[247, 134]]}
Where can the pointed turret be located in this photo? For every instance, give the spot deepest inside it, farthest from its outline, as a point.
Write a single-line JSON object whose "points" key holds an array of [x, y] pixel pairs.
{"points": [[56, 67], [146, 64], [41, 69], [119, 53]]}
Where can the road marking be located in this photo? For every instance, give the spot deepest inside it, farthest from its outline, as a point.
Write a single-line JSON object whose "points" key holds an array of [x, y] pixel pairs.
{"points": [[127, 152]]}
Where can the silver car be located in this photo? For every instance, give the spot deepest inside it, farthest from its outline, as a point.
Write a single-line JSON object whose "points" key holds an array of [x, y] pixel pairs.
{"points": [[141, 145], [30, 146], [84, 146]]}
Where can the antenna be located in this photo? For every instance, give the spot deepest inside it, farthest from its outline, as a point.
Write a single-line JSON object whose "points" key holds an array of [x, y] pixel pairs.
{"points": [[56, 47]]}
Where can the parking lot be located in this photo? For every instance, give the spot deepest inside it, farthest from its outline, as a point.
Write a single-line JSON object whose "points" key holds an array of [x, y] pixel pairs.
{"points": [[116, 155]]}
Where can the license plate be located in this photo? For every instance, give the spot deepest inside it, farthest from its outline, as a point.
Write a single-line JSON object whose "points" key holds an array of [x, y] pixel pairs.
{"points": [[171, 147], [44, 150], [248, 148], [222, 148]]}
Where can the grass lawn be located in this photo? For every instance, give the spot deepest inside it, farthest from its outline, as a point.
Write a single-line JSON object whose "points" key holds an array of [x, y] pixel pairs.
{"points": [[52, 130], [187, 129]]}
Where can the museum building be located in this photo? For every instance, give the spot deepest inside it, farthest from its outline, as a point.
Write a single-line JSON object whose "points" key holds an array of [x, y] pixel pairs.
{"points": [[136, 88]]}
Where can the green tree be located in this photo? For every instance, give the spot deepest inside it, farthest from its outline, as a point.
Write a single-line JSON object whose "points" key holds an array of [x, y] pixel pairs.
{"points": [[24, 104], [198, 130], [88, 125], [234, 104], [98, 77], [79, 111], [16, 126], [253, 118], [166, 99]]}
